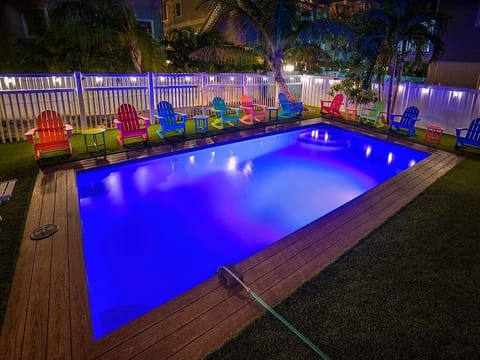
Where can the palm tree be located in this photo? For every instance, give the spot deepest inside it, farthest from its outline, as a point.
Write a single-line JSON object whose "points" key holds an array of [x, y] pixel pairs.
{"points": [[397, 32], [271, 27]]}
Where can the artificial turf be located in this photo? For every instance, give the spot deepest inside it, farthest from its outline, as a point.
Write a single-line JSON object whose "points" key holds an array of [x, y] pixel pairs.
{"points": [[408, 290]]}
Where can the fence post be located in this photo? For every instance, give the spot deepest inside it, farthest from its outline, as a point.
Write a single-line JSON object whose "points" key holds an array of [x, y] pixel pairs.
{"points": [[202, 94], [81, 103], [151, 95]]}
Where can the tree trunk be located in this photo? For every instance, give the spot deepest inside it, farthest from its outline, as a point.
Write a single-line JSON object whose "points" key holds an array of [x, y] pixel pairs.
{"points": [[393, 69]]}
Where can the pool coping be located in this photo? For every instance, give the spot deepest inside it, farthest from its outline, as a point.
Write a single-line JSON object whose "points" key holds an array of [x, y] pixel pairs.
{"points": [[48, 313]]}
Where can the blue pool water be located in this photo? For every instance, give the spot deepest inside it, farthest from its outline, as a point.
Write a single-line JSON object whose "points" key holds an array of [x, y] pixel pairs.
{"points": [[154, 228]]}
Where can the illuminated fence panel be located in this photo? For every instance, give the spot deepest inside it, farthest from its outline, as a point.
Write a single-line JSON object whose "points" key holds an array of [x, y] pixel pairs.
{"points": [[89, 100], [104, 93], [183, 91], [24, 97]]}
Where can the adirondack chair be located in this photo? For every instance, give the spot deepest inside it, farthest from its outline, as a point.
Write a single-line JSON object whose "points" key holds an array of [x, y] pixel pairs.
{"points": [[224, 114], [252, 112], [471, 138], [332, 107], [289, 108], [6, 189], [170, 120], [406, 122], [129, 124], [50, 134], [372, 115]]}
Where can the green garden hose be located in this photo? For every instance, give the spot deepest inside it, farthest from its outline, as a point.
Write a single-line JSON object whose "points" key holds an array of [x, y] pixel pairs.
{"points": [[273, 312]]}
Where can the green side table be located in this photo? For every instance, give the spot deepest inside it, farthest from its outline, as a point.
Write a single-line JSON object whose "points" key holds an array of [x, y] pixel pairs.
{"points": [[94, 142]]}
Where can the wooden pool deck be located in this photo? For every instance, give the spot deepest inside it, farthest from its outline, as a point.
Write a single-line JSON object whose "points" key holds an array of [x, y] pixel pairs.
{"points": [[48, 312]]}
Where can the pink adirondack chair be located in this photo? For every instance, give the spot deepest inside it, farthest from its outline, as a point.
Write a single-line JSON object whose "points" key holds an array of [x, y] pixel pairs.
{"points": [[50, 134], [252, 112], [130, 125], [332, 107]]}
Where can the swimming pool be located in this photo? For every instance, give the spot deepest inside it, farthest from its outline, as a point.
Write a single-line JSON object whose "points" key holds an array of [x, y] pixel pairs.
{"points": [[154, 228]]}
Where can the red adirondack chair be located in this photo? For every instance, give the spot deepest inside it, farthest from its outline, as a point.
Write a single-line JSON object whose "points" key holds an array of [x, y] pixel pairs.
{"points": [[50, 134], [252, 112], [332, 107], [130, 125]]}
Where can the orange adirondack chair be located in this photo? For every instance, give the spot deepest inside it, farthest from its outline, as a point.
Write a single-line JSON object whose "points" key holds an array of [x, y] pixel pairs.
{"points": [[252, 112], [50, 134], [129, 124], [332, 107]]}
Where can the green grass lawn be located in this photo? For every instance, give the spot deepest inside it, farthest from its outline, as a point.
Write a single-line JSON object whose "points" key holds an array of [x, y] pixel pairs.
{"points": [[407, 290]]}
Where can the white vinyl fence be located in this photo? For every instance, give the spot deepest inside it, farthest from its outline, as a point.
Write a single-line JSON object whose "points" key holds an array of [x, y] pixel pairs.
{"points": [[88, 100]]}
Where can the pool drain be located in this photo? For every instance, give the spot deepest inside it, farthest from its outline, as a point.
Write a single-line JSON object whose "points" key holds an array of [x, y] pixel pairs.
{"points": [[43, 231]]}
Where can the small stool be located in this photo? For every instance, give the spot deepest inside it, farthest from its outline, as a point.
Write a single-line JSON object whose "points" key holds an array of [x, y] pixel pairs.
{"points": [[270, 110], [90, 137], [351, 114], [434, 133], [201, 123]]}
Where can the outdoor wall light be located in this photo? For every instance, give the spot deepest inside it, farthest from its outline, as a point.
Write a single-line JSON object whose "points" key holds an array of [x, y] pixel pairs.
{"points": [[9, 81], [457, 94], [289, 67]]}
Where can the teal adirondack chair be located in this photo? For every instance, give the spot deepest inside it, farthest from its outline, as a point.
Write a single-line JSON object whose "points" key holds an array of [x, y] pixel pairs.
{"points": [[288, 108], [170, 121], [372, 115], [224, 114], [471, 138], [406, 122]]}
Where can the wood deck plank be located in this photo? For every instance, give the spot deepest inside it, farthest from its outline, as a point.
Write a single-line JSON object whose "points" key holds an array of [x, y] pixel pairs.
{"points": [[58, 342], [13, 329], [35, 341], [80, 324]]}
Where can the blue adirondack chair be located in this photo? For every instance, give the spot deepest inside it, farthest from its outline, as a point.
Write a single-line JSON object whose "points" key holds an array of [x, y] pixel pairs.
{"points": [[224, 114], [288, 108], [406, 122], [471, 138], [170, 120]]}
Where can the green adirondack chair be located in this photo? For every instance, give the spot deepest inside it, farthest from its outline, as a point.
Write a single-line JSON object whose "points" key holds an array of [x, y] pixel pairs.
{"points": [[224, 114], [372, 115]]}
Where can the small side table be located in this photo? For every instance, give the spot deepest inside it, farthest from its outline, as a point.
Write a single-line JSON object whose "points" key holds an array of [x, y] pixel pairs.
{"points": [[270, 110], [94, 143], [434, 134], [201, 123], [351, 114]]}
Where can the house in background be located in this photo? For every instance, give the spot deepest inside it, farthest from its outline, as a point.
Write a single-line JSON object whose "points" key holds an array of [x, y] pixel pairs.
{"points": [[460, 65], [178, 14]]}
